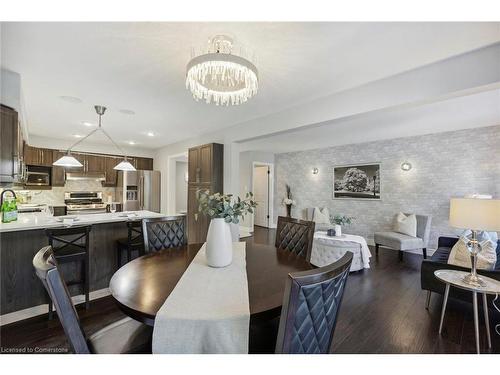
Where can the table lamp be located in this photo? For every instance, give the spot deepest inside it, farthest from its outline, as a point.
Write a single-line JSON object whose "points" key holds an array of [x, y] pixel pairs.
{"points": [[477, 215]]}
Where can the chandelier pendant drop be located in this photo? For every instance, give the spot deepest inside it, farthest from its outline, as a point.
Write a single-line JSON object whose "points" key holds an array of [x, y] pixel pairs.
{"points": [[220, 76]]}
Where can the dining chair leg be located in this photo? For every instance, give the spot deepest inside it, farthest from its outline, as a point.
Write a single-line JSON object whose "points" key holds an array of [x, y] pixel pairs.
{"points": [[424, 253], [486, 320], [376, 249], [428, 300], [400, 255]]}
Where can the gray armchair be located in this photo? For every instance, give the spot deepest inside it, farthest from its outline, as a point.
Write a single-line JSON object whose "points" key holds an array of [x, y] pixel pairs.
{"points": [[403, 242]]}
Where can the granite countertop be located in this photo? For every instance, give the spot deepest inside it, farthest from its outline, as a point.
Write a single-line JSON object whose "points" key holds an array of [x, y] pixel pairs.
{"points": [[41, 220]]}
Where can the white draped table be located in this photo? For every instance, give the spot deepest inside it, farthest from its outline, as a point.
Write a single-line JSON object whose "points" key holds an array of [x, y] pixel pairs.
{"points": [[327, 249], [208, 310]]}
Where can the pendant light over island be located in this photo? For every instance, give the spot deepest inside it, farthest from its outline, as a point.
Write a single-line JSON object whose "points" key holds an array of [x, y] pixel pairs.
{"points": [[69, 161]]}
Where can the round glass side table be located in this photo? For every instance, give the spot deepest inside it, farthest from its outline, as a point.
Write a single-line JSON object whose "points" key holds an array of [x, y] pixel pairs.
{"points": [[455, 278]]}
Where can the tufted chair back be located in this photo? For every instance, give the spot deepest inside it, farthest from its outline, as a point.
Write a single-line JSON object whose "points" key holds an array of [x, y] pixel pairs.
{"points": [[295, 236], [310, 308], [163, 233]]}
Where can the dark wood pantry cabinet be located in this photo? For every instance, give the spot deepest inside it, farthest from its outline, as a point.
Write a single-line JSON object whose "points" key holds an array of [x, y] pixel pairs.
{"points": [[205, 172]]}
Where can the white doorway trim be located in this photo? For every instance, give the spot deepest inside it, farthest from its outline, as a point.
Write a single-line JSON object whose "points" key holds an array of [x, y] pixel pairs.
{"points": [[271, 190], [171, 180]]}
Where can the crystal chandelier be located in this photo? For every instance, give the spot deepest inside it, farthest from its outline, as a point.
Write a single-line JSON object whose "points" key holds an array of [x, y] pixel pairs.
{"points": [[70, 161], [221, 77]]}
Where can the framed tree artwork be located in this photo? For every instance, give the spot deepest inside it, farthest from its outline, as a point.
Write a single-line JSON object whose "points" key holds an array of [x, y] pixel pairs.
{"points": [[361, 181]]}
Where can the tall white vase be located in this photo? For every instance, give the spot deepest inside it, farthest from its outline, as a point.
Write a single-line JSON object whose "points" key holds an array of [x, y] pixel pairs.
{"points": [[219, 249], [235, 232]]}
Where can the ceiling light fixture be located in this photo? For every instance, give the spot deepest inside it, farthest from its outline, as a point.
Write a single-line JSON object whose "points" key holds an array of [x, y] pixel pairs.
{"points": [[70, 161], [221, 77], [86, 123], [131, 143], [150, 134], [70, 99], [127, 112]]}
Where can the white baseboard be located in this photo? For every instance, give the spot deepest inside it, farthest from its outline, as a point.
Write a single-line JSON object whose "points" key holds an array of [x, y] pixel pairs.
{"points": [[43, 309]]}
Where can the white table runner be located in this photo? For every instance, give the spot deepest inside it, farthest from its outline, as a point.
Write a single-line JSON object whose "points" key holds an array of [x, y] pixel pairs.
{"points": [[322, 243], [208, 311]]}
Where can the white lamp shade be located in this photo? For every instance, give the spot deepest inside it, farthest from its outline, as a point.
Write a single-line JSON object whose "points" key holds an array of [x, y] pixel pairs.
{"points": [[475, 214], [67, 161], [124, 165]]}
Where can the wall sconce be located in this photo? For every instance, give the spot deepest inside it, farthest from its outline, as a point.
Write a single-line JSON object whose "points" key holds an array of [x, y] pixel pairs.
{"points": [[315, 170], [406, 166]]}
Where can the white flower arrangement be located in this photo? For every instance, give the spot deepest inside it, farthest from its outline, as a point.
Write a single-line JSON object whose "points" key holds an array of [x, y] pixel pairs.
{"points": [[288, 201]]}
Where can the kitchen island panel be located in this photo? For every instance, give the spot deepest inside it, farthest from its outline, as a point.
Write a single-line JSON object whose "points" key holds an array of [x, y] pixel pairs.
{"points": [[21, 288]]}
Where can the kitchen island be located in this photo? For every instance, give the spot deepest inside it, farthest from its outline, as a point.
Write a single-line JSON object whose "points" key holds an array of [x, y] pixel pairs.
{"points": [[21, 240]]}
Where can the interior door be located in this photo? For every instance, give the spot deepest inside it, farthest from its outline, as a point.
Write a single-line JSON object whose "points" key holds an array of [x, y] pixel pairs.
{"points": [[261, 195]]}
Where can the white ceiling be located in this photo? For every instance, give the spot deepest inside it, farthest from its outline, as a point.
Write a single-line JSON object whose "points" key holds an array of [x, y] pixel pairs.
{"points": [[141, 67], [470, 111]]}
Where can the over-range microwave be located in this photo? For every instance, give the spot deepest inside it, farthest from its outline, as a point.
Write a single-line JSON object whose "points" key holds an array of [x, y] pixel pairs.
{"points": [[36, 176]]}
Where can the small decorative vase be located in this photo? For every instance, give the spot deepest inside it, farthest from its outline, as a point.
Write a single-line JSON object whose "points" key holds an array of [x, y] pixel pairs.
{"points": [[338, 230], [288, 210], [235, 232], [219, 251]]}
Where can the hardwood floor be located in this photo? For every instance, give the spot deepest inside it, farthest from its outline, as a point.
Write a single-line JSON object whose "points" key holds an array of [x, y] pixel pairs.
{"points": [[383, 311]]}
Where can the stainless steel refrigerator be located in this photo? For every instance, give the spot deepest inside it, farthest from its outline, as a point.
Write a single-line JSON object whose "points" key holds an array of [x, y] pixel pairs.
{"points": [[139, 190]]}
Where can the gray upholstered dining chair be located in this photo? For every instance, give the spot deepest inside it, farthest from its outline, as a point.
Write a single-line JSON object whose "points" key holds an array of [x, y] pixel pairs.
{"points": [[295, 235], [124, 336], [163, 233], [404, 242], [310, 309]]}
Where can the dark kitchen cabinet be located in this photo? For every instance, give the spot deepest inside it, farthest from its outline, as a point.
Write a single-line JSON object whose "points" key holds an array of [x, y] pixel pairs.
{"points": [[205, 172], [38, 156], [144, 164], [94, 163], [58, 173], [10, 158], [110, 163]]}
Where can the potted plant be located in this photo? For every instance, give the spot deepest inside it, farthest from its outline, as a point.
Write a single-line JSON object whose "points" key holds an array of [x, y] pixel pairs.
{"points": [[288, 201], [224, 211], [338, 221]]}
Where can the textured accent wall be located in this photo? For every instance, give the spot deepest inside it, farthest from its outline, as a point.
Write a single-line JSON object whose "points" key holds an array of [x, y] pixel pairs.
{"points": [[444, 165]]}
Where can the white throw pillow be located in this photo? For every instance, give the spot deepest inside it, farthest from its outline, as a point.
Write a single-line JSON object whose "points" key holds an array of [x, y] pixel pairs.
{"points": [[406, 224], [321, 216], [486, 259]]}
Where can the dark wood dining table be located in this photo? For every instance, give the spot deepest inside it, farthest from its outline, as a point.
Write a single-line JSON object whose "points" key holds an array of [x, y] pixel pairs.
{"points": [[141, 286]]}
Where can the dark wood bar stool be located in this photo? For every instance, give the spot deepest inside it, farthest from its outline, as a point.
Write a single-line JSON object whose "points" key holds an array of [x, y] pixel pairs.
{"points": [[133, 242], [71, 245]]}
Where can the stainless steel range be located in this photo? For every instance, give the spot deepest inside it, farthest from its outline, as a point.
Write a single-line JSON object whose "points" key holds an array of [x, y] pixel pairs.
{"points": [[84, 202]]}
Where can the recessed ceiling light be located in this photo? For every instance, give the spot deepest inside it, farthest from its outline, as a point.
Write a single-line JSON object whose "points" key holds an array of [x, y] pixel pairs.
{"points": [[77, 135], [70, 99], [86, 123], [151, 134], [127, 112], [131, 143]]}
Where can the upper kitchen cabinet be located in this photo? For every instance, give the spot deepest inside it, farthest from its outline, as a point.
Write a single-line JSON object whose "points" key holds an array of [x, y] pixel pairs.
{"points": [[58, 173], [10, 158], [37, 156], [110, 173], [205, 163], [94, 163], [143, 164]]}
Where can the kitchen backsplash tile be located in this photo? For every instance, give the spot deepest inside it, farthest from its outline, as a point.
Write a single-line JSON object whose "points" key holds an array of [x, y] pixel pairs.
{"points": [[55, 196]]}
